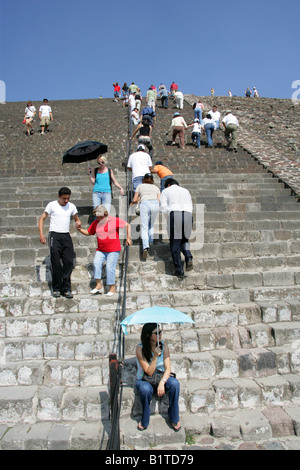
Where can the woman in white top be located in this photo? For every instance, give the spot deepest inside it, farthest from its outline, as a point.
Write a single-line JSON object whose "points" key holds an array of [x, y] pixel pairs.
{"points": [[196, 132], [28, 118], [148, 194], [178, 125]]}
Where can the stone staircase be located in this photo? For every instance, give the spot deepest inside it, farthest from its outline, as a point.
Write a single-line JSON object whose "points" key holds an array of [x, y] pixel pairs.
{"points": [[239, 366]]}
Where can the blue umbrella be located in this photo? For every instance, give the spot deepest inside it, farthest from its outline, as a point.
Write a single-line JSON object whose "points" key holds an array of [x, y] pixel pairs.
{"points": [[155, 315]]}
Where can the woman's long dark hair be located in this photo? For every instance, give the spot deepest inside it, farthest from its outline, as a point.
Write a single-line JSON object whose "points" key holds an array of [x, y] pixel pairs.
{"points": [[147, 330], [148, 178]]}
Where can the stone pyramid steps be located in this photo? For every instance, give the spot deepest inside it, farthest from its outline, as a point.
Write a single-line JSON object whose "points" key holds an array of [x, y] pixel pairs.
{"points": [[225, 366], [238, 365]]}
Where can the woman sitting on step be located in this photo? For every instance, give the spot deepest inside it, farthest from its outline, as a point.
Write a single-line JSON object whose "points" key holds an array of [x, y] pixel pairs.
{"points": [[154, 375], [107, 230]]}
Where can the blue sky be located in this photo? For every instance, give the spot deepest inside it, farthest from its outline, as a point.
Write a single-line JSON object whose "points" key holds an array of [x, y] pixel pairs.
{"points": [[75, 49]]}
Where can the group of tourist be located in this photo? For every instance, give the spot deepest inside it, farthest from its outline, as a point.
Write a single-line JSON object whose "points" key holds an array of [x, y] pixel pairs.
{"points": [[175, 202], [45, 116], [205, 125], [153, 356], [144, 119], [248, 93], [132, 95], [149, 198]]}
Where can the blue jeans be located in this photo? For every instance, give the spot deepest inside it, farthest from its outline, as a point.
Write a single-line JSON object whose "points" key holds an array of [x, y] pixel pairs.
{"points": [[196, 137], [163, 180], [136, 182], [198, 114], [209, 130], [146, 391], [111, 259], [164, 102], [148, 212], [101, 199]]}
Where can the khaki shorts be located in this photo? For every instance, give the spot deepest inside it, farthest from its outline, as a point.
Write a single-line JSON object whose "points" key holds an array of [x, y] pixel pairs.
{"points": [[45, 121]]}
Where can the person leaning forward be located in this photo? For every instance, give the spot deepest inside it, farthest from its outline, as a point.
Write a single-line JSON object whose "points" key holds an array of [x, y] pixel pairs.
{"points": [[178, 126], [60, 241], [230, 124], [176, 204]]}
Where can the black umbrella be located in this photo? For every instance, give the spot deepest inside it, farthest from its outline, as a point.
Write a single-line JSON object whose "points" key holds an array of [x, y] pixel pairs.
{"points": [[84, 151]]}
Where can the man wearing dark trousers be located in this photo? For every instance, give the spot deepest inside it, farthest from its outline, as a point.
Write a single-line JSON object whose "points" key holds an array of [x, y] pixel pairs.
{"points": [[176, 203], [60, 241]]}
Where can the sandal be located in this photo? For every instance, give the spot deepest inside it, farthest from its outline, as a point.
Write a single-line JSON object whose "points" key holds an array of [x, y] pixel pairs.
{"points": [[176, 426], [141, 428]]}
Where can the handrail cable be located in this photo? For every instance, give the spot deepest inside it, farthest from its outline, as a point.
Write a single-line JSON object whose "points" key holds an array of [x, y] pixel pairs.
{"points": [[117, 392]]}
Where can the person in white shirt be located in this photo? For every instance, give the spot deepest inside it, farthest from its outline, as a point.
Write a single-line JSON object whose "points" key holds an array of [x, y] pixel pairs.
{"points": [[176, 204], [179, 99], [209, 126], [139, 163], [196, 133], [231, 124], [177, 126], [135, 116], [131, 101], [28, 118], [147, 194], [60, 241], [45, 115], [216, 116]]}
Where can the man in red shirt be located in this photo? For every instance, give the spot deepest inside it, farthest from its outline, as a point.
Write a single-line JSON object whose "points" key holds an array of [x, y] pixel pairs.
{"points": [[173, 88], [117, 91]]}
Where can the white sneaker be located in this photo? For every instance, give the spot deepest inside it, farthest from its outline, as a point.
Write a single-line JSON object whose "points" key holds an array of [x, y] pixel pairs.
{"points": [[96, 291], [110, 294]]}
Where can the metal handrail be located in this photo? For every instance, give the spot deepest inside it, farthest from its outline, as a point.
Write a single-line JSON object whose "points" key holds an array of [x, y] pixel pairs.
{"points": [[117, 389]]}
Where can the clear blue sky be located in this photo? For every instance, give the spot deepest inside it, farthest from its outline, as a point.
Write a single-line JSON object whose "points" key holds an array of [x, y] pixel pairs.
{"points": [[74, 49]]}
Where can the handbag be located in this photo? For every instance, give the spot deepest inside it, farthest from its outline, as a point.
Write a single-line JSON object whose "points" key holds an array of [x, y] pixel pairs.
{"points": [[153, 379], [156, 377]]}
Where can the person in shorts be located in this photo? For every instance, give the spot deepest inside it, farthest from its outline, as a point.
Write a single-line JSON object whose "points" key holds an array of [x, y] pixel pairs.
{"points": [[45, 115]]}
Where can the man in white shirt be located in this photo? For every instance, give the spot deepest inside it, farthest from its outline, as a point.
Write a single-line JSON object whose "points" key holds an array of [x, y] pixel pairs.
{"points": [[179, 99], [230, 124], [135, 117], [45, 115], [216, 116], [139, 163], [176, 204], [60, 241], [131, 101]]}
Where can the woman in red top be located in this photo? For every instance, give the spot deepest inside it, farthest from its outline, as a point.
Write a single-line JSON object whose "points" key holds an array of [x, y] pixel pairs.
{"points": [[107, 229]]}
